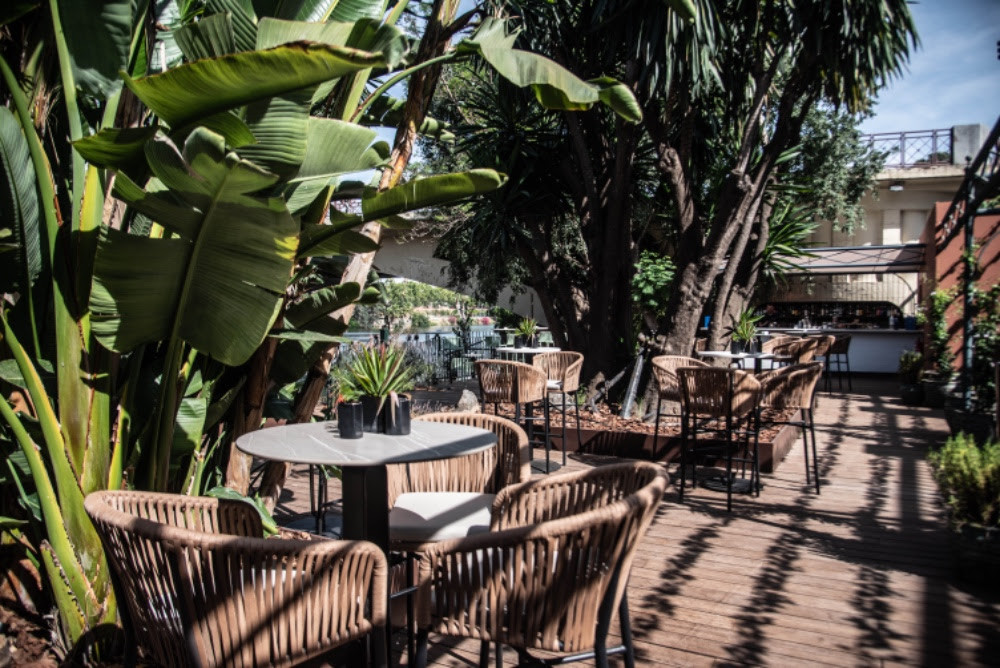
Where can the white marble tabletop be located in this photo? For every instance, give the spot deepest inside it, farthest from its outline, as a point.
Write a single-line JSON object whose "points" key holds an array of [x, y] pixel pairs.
{"points": [[319, 443], [511, 350], [725, 354]]}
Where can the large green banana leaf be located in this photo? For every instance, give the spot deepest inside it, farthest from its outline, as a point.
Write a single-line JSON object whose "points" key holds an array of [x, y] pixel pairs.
{"points": [[554, 86], [193, 91], [218, 282], [19, 210], [98, 34]]}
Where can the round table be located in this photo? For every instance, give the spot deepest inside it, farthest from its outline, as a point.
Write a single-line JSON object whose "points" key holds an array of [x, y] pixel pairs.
{"points": [[524, 354], [363, 462]]}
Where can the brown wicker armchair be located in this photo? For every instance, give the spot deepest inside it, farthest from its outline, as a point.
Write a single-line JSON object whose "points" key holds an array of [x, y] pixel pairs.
{"points": [[794, 387], [197, 585], [723, 403], [553, 571], [562, 369], [448, 498], [522, 385]]}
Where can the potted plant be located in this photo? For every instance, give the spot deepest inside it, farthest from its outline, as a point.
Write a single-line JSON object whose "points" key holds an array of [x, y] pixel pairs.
{"points": [[350, 416], [377, 375], [938, 379], [526, 333], [969, 478], [745, 331], [911, 368]]}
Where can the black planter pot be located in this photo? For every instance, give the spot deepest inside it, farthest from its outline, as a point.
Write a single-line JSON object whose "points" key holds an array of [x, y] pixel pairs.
{"points": [[978, 425], [349, 419], [370, 421], [912, 394], [741, 346], [976, 555], [394, 418], [936, 392], [519, 341]]}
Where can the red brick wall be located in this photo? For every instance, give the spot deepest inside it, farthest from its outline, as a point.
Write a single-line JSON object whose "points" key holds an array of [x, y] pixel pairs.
{"points": [[944, 264]]}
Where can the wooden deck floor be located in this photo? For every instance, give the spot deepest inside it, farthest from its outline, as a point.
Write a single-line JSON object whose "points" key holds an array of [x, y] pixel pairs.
{"points": [[858, 575]]}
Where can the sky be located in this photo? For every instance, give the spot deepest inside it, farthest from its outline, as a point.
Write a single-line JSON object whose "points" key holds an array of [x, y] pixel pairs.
{"points": [[953, 77]]}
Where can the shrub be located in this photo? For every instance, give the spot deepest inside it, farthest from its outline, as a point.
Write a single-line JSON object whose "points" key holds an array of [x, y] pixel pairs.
{"points": [[911, 366], [969, 478]]}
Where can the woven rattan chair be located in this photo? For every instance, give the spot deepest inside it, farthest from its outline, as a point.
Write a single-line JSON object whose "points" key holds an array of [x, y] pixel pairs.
{"points": [[562, 369], [667, 387], [724, 403], [522, 385], [794, 388], [449, 498], [553, 570], [198, 585]]}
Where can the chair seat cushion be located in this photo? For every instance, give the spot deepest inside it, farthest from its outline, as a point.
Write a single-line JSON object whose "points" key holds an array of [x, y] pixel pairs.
{"points": [[553, 384], [433, 516]]}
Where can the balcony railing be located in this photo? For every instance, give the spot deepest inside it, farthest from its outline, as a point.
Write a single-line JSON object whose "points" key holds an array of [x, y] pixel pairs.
{"points": [[914, 148]]}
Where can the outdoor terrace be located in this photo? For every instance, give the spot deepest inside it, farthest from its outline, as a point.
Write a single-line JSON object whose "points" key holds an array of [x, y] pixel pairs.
{"points": [[859, 575]]}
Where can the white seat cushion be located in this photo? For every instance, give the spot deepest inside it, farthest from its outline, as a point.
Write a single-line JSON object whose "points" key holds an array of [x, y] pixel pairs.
{"points": [[432, 516], [553, 384]]}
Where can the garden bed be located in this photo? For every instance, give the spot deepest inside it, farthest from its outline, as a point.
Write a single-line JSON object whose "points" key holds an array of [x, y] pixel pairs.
{"points": [[605, 433]]}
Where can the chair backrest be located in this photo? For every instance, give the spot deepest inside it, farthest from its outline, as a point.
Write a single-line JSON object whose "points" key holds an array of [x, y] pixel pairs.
{"points": [[841, 344], [823, 345], [718, 393], [501, 381], [563, 366], [545, 585], [791, 386], [665, 372], [486, 471], [776, 342], [192, 593]]}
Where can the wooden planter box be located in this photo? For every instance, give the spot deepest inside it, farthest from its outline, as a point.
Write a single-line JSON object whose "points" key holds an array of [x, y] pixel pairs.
{"points": [[636, 445]]}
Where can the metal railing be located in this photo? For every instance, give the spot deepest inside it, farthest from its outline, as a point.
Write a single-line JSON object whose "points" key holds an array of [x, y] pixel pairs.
{"points": [[913, 148]]}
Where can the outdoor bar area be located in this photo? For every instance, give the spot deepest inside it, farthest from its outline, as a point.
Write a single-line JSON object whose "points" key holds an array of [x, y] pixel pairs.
{"points": [[870, 293]]}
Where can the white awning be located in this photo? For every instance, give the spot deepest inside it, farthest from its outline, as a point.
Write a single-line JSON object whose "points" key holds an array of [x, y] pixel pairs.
{"points": [[863, 260]]}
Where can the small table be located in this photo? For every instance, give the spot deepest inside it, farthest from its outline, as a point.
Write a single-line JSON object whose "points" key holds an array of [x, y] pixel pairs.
{"points": [[363, 462], [524, 354], [739, 357]]}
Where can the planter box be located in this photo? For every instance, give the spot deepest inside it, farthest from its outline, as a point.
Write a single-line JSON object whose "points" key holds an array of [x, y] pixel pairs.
{"points": [[636, 445], [976, 556]]}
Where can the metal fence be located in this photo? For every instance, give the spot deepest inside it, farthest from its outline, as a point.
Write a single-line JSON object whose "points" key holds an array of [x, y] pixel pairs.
{"points": [[913, 148]]}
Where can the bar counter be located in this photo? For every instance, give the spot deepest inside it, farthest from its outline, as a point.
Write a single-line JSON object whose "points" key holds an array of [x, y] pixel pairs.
{"points": [[871, 351]]}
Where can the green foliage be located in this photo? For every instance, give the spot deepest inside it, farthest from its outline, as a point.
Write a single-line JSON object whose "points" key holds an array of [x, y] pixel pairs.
{"points": [[833, 168], [745, 327], [527, 327], [419, 321], [654, 273], [377, 371], [504, 318], [969, 477], [985, 347], [939, 354], [911, 366]]}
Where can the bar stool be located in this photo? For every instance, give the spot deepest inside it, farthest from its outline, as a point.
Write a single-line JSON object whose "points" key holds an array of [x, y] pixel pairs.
{"points": [[837, 355], [794, 387], [562, 369], [504, 382], [711, 396], [664, 369]]}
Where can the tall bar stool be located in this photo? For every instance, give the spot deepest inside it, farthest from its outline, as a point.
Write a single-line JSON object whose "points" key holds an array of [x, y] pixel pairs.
{"points": [[668, 387], [824, 341], [794, 387], [520, 384], [724, 403], [837, 356], [562, 369]]}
